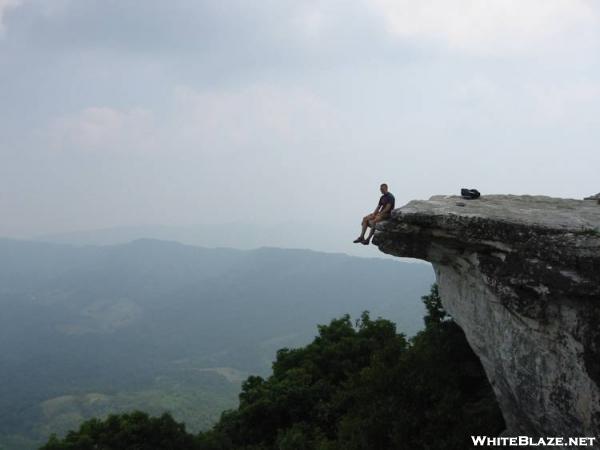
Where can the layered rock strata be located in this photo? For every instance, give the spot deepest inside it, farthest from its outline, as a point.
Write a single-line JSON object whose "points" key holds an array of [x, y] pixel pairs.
{"points": [[521, 276]]}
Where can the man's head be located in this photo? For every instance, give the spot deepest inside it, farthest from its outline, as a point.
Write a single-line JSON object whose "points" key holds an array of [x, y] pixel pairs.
{"points": [[383, 188]]}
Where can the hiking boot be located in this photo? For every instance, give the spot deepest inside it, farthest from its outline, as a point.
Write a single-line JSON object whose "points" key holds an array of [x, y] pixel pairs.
{"points": [[365, 242], [358, 240]]}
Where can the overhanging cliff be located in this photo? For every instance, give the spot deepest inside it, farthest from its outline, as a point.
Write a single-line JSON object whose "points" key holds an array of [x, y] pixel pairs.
{"points": [[521, 276]]}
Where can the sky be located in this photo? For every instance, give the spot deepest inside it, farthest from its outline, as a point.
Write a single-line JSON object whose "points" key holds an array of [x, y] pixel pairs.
{"points": [[180, 112]]}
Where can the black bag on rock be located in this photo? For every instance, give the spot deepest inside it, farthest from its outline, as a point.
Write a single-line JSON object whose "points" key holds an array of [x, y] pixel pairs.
{"points": [[469, 194]]}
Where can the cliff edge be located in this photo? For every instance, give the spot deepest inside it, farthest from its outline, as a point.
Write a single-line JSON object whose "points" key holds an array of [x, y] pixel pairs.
{"points": [[521, 276]]}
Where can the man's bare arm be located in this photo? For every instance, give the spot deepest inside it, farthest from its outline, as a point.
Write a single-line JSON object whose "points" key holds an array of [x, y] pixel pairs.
{"points": [[377, 209], [387, 208]]}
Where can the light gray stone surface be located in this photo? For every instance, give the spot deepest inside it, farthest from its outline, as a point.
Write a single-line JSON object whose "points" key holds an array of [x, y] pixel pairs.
{"points": [[521, 276]]}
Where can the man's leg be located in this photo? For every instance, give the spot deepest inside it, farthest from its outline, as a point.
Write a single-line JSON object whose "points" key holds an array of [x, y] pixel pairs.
{"points": [[372, 223], [365, 224]]}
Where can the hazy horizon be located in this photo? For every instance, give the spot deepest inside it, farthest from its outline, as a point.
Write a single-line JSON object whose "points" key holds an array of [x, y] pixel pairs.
{"points": [[198, 112], [234, 235]]}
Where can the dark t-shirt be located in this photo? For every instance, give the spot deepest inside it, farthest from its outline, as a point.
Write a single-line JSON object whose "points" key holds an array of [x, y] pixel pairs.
{"points": [[385, 199]]}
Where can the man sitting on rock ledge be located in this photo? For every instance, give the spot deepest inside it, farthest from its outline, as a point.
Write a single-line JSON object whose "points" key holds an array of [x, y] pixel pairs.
{"points": [[382, 212]]}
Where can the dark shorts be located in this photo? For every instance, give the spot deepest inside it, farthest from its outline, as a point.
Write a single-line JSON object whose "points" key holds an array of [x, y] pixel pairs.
{"points": [[374, 218]]}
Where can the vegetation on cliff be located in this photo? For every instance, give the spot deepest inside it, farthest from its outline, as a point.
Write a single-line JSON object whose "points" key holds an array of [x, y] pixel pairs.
{"points": [[358, 385]]}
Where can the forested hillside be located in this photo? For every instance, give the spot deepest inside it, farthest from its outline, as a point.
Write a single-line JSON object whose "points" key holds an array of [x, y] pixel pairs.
{"points": [[357, 385], [159, 326]]}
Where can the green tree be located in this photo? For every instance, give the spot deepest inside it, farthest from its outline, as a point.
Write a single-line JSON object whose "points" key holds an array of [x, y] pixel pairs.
{"points": [[357, 386], [365, 386], [135, 430], [435, 310]]}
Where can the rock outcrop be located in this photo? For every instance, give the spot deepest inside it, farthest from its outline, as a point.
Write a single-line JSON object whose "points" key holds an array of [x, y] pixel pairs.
{"points": [[521, 276]]}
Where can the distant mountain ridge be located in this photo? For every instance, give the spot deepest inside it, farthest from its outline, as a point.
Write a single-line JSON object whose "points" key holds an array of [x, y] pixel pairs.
{"points": [[245, 236], [156, 325]]}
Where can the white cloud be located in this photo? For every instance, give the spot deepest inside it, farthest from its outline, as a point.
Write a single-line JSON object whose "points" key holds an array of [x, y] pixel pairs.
{"points": [[310, 22], [566, 104], [105, 129], [254, 115], [260, 118], [5, 5], [578, 103], [258, 136], [494, 26], [476, 90]]}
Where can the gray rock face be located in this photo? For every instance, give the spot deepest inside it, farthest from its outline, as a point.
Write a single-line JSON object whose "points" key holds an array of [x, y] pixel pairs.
{"points": [[521, 276]]}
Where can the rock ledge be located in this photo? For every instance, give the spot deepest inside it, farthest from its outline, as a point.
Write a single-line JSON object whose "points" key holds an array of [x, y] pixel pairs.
{"points": [[521, 276]]}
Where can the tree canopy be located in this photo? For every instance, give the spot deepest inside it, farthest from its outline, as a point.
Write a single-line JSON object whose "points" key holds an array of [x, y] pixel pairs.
{"points": [[358, 385]]}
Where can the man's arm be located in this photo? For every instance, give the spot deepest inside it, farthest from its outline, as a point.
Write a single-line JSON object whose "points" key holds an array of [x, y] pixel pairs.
{"points": [[387, 208], [377, 209]]}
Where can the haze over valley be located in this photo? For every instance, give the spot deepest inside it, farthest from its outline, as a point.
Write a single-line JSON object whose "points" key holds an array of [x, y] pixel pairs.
{"points": [[158, 325]]}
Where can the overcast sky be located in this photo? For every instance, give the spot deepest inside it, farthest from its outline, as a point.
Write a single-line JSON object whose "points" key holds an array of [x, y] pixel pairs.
{"points": [[122, 112]]}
